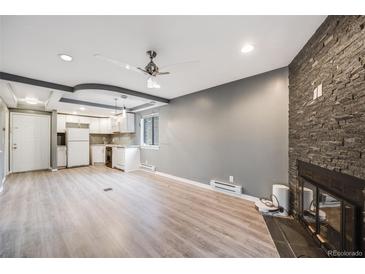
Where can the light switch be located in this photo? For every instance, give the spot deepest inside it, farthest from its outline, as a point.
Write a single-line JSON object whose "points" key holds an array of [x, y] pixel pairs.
{"points": [[315, 93], [319, 90]]}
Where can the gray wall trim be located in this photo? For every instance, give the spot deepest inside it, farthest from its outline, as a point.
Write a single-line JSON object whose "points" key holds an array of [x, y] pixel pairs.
{"points": [[141, 107], [121, 90], [31, 111], [45, 84], [80, 102], [34, 82]]}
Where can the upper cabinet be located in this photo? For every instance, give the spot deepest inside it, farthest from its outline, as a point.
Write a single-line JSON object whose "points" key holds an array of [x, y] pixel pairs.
{"points": [[123, 124], [72, 119], [105, 125], [96, 125], [84, 120], [61, 123]]}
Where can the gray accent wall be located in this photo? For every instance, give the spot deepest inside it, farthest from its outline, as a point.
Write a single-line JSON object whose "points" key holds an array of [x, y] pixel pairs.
{"points": [[238, 129]]}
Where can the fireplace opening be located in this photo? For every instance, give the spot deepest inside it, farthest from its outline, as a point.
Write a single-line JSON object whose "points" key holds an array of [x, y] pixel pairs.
{"points": [[331, 208]]}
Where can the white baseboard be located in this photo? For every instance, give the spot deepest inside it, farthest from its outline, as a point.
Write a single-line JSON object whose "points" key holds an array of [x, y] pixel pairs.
{"points": [[183, 180], [205, 186]]}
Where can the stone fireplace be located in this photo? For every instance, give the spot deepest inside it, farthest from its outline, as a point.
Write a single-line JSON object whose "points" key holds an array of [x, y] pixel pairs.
{"points": [[331, 207], [327, 131]]}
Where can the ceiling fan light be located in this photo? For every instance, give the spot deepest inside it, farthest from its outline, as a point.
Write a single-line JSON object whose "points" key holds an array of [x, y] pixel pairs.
{"points": [[151, 83]]}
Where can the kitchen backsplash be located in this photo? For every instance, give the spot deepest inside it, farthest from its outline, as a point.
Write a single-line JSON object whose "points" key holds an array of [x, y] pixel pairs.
{"points": [[124, 139], [120, 139], [100, 138]]}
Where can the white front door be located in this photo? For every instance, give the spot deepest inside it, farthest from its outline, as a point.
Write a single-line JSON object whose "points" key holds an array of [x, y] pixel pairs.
{"points": [[30, 141]]}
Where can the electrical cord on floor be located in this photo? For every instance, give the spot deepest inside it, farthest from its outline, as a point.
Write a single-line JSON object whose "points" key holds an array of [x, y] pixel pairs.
{"points": [[270, 204]]}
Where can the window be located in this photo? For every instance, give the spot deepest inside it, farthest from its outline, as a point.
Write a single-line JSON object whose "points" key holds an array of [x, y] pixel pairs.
{"points": [[150, 131]]}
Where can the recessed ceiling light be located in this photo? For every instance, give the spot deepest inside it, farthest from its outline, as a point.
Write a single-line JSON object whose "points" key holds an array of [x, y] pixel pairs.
{"points": [[75, 112], [65, 57], [82, 108], [127, 66], [31, 100], [247, 48]]}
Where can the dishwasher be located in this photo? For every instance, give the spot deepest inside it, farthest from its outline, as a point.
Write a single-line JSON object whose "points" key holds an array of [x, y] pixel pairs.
{"points": [[108, 156]]}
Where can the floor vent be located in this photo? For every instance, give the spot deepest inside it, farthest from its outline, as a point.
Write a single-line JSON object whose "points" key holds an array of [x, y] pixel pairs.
{"points": [[148, 167], [108, 189], [226, 187]]}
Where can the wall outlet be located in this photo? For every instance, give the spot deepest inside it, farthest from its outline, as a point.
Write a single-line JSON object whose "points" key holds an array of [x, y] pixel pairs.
{"points": [[231, 179]]}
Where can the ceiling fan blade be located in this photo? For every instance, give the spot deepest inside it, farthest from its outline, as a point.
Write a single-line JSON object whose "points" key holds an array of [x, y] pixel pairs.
{"points": [[163, 73], [142, 70], [180, 64], [117, 63]]}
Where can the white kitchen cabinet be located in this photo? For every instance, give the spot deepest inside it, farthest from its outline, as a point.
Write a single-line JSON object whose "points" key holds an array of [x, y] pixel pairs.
{"points": [[120, 157], [84, 120], [97, 125], [105, 126], [72, 119], [97, 154], [124, 124], [94, 125], [126, 158], [61, 123], [127, 123], [114, 123], [61, 156]]}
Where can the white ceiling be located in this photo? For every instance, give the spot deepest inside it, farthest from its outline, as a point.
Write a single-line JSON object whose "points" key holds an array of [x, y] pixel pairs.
{"points": [[30, 44], [14, 95]]}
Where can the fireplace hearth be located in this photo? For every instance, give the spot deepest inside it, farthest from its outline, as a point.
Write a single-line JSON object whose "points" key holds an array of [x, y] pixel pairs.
{"points": [[331, 208]]}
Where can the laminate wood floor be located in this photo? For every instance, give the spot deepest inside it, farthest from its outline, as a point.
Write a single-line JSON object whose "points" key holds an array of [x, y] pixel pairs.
{"points": [[68, 214]]}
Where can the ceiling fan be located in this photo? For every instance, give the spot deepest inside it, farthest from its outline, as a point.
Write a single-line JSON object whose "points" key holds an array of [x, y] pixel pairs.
{"points": [[151, 69]]}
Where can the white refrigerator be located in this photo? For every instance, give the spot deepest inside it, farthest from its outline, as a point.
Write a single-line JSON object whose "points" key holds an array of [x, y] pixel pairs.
{"points": [[77, 142]]}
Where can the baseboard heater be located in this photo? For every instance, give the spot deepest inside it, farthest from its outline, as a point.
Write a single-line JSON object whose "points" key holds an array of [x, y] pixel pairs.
{"points": [[226, 187], [148, 167]]}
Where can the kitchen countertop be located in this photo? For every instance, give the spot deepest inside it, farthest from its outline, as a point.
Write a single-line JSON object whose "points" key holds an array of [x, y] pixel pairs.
{"points": [[116, 145]]}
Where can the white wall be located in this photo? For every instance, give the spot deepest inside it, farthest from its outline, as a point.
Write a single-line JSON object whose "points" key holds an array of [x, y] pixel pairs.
{"points": [[4, 143]]}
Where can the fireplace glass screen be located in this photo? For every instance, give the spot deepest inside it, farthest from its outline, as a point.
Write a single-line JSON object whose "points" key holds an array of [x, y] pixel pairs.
{"points": [[329, 214], [331, 206], [330, 219], [309, 206], [349, 227]]}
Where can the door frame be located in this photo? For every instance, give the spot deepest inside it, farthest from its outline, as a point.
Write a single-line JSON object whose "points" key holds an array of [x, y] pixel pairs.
{"points": [[28, 113]]}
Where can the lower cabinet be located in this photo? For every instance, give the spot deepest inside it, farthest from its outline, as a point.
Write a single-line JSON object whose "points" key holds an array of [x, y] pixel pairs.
{"points": [[97, 154], [61, 156], [126, 158]]}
